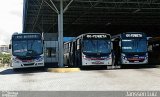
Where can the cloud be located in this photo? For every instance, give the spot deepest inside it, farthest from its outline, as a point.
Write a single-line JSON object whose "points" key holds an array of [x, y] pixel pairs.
{"points": [[16, 13], [10, 19]]}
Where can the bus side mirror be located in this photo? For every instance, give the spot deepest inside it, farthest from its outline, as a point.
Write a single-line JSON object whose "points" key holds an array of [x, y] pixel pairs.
{"points": [[9, 46], [112, 45], [120, 43]]}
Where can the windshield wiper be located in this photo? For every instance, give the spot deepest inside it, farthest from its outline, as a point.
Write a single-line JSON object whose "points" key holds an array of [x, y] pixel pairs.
{"points": [[31, 53]]}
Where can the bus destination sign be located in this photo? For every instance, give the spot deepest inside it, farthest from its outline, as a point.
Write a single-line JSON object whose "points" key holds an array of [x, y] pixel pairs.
{"points": [[133, 35], [31, 36], [96, 36]]}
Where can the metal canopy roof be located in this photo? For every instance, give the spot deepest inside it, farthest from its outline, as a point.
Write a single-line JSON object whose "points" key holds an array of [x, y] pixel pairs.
{"points": [[82, 16]]}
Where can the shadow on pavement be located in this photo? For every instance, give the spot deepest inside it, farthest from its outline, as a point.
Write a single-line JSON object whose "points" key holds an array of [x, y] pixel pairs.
{"points": [[85, 68], [22, 70], [138, 66], [94, 68], [28, 70], [130, 66]]}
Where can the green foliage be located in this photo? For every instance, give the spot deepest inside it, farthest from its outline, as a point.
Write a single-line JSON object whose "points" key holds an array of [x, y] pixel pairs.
{"points": [[1, 54], [5, 58]]}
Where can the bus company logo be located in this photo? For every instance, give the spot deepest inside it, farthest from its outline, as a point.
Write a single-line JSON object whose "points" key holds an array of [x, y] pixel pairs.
{"points": [[96, 36], [133, 35], [9, 94]]}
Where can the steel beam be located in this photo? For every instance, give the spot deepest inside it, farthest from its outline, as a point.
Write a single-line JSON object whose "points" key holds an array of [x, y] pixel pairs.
{"points": [[60, 34], [54, 9], [36, 18], [65, 9]]}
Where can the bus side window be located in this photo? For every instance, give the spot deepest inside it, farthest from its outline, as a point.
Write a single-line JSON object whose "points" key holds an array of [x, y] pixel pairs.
{"points": [[74, 46], [51, 52], [78, 44], [69, 45]]}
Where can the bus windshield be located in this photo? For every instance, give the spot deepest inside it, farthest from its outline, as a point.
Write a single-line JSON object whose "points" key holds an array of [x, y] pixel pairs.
{"points": [[96, 46], [134, 45], [24, 48]]}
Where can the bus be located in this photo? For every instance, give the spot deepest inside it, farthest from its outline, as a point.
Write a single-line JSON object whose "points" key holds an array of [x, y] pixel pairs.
{"points": [[26, 50], [130, 48], [89, 49]]}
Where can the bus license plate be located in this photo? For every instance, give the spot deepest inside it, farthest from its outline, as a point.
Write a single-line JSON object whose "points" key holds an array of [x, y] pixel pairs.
{"points": [[97, 62]]}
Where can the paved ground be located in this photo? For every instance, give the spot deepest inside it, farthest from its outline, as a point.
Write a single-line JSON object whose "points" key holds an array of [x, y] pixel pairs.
{"points": [[89, 79]]}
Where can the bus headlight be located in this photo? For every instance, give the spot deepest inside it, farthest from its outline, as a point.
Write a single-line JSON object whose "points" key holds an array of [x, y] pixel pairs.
{"points": [[110, 56], [39, 59], [123, 56], [83, 56], [86, 58], [146, 55], [15, 60]]}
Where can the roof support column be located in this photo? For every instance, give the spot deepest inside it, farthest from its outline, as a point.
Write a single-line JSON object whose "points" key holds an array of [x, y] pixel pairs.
{"points": [[60, 35]]}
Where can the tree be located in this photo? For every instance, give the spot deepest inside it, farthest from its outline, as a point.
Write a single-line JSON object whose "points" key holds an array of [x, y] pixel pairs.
{"points": [[5, 58]]}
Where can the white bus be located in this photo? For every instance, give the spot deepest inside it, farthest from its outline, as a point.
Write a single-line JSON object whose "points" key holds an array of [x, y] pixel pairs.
{"points": [[89, 49], [27, 50]]}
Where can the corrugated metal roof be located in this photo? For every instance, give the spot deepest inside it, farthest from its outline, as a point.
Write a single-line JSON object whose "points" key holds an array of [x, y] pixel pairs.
{"points": [[112, 16]]}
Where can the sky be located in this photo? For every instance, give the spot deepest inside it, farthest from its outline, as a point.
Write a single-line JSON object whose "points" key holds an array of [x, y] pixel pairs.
{"points": [[10, 19]]}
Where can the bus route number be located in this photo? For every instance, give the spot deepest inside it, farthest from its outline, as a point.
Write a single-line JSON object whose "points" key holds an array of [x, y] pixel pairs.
{"points": [[96, 36], [133, 35]]}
